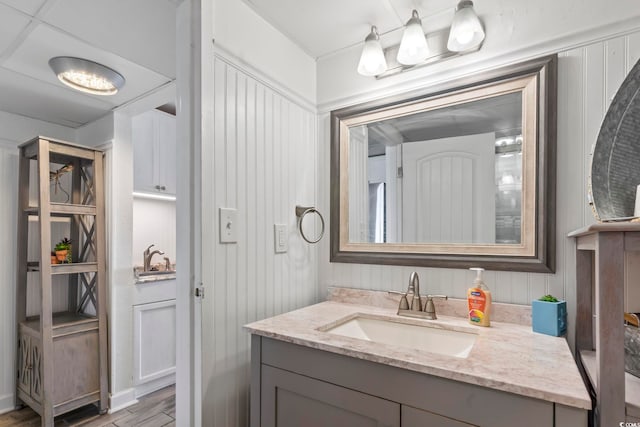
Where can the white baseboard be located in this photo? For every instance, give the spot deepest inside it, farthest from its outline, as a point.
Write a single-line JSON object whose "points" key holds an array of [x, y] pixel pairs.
{"points": [[7, 403], [157, 384], [122, 400]]}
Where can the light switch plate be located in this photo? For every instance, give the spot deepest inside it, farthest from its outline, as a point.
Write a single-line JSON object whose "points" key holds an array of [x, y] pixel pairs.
{"points": [[281, 238], [228, 226]]}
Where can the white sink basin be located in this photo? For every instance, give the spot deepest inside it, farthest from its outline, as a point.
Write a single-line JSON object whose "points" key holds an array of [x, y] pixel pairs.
{"points": [[391, 332]]}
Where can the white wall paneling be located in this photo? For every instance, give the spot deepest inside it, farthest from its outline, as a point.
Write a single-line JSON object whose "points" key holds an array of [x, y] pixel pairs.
{"points": [[8, 225], [588, 78], [262, 162]]}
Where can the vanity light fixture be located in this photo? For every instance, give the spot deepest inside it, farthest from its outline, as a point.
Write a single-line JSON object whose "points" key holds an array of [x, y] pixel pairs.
{"points": [[372, 61], [466, 30], [86, 76], [417, 49], [413, 47]]}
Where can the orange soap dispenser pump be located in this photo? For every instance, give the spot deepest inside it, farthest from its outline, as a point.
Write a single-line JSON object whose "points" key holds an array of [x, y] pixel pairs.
{"points": [[479, 301]]}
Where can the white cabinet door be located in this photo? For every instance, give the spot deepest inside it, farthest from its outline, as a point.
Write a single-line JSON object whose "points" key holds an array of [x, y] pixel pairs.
{"points": [[166, 152], [154, 347], [154, 152]]}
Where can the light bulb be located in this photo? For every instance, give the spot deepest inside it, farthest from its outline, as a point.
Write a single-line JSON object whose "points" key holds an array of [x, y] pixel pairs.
{"points": [[466, 30], [372, 61], [413, 47]]}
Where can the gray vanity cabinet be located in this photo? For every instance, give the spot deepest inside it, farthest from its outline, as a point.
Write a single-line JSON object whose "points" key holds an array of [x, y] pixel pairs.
{"points": [[294, 385]]}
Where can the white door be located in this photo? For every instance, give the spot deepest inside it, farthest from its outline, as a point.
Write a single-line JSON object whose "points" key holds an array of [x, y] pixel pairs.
{"points": [[448, 190]]}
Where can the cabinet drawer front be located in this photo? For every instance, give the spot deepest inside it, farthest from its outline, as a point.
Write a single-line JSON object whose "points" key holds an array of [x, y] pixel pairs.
{"points": [[291, 400]]}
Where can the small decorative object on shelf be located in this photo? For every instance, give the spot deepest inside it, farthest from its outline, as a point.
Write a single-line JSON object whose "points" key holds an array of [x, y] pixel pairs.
{"points": [[549, 316], [63, 251], [54, 258]]}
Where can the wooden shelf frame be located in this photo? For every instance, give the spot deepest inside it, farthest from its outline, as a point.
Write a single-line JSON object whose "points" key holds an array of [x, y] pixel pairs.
{"points": [[600, 273], [51, 335]]}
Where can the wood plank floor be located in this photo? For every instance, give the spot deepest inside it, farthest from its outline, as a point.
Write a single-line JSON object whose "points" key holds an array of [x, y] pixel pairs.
{"points": [[157, 409]]}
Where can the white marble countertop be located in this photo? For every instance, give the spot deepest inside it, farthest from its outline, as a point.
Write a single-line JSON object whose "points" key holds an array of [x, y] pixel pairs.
{"points": [[505, 356]]}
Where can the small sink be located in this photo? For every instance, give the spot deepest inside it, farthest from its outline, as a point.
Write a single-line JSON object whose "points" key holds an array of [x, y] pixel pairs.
{"points": [[419, 337]]}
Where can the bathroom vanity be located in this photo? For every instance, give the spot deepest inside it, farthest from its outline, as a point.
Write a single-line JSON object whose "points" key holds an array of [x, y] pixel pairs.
{"points": [[309, 369]]}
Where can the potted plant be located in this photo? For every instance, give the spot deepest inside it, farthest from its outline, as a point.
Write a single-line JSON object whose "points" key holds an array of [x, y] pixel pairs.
{"points": [[549, 316], [63, 250], [54, 259]]}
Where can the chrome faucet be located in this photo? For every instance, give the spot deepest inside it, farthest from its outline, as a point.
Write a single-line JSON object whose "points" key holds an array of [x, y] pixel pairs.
{"points": [[147, 255], [415, 308]]}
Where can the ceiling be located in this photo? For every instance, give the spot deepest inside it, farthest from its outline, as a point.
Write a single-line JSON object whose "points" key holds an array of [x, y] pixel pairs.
{"points": [[500, 114], [323, 27], [135, 38]]}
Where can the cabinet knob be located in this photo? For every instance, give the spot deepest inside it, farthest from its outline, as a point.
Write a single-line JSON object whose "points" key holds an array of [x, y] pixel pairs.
{"points": [[163, 188], [157, 187]]}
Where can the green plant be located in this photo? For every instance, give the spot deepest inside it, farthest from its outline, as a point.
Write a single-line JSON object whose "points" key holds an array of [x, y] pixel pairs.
{"points": [[63, 245], [549, 298]]}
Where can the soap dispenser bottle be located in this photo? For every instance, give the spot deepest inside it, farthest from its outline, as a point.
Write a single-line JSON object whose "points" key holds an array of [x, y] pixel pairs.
{"points": [[479, 301]]}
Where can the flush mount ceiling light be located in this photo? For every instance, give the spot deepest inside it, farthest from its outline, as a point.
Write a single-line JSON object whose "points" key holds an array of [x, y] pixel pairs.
{"points": [[372, 61], [466, 29], [413, 47], [418, 49], [86, 76]]}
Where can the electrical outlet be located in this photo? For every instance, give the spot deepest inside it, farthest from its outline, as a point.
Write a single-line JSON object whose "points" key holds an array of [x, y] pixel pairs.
{"points": [[281, 239], [228, 226]]}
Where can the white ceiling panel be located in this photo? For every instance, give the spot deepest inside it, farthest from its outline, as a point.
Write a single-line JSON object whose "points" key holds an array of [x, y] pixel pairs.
{"points": [[27, 6], [32, 57], [32, 98], [11, 25], [143, 31]]}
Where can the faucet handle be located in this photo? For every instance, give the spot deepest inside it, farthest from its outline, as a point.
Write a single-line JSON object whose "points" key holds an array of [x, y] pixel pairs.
{"points": [[150, 246], [430, 308], [404, 303]]}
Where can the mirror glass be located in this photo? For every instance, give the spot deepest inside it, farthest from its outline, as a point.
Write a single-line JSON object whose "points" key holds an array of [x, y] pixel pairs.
{"points": [[449, 175], [457, 177]]}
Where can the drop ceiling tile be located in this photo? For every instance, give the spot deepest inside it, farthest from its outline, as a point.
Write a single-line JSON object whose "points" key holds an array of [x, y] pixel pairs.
{"points": [[27, 6], [32, 98], [32, 59], [11, 25], [143, 31], [322, 27]]}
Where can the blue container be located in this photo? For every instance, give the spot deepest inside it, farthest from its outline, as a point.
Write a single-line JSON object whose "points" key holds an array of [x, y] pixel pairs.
{"points": [[549, 317]]}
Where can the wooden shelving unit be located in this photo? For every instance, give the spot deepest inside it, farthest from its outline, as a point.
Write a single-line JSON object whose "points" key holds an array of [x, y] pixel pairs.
{"points": [[600, 278], [62, 356]]}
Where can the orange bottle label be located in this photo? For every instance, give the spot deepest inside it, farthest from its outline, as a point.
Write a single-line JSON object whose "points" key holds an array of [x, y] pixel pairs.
{"points": [[477, 302]]}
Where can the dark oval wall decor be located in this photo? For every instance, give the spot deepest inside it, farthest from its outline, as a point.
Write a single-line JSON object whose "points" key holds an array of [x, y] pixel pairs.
{"points": [[615, 163]]}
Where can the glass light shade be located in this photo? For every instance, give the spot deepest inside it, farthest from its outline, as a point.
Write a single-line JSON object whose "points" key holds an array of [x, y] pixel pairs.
{"points": [[86, 76], [413, 47], [372, 61], [466, 30]]}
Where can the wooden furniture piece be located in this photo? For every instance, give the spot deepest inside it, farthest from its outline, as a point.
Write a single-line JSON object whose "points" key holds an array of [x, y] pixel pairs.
{"points": [[294, 385], [62, 354], [600, 277]]}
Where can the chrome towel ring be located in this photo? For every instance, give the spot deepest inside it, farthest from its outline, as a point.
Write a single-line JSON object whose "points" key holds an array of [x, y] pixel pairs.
{"points": [[301, 211]]}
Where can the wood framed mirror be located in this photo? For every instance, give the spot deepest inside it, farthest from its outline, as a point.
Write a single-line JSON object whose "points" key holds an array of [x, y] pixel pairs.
{"points": [[457, 176]]}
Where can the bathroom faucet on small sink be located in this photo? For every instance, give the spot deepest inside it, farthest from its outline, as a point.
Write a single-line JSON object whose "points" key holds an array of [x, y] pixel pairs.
{"points": [[415, 309], [147, 255]]}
